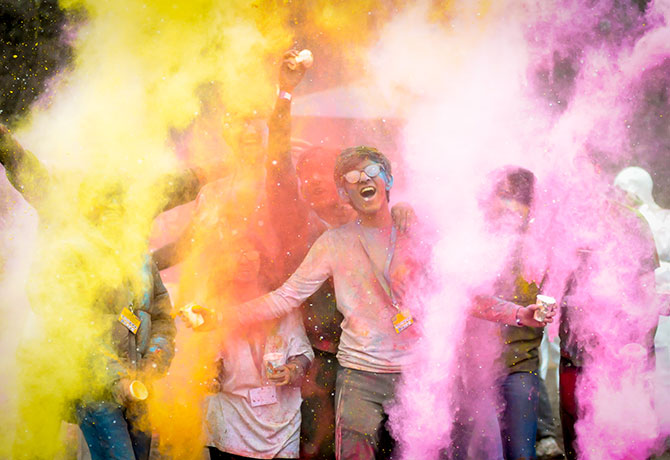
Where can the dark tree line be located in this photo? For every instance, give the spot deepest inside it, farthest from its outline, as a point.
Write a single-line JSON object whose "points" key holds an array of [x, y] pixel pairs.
{"points": [[33, 48]]}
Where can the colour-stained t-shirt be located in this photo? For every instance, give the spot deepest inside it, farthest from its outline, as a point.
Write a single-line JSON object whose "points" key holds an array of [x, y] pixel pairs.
{"points": [[238, 426], [369, 340]]}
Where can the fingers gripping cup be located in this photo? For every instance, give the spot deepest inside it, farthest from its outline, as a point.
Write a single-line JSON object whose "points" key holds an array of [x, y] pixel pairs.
{"points": [[545, 305]]}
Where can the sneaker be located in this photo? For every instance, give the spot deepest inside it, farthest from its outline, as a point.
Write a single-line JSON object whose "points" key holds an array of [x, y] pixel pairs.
{"points": [[548, 449]]}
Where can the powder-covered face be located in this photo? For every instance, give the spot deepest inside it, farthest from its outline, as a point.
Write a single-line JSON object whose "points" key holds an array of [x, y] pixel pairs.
{"points": [[368, 195], [247, 262], [317, 185], [507, 214]]}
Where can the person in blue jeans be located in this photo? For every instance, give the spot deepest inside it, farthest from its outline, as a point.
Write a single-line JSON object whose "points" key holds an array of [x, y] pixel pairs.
{"points": [[113, 419], [112, 432], [139, 347], [516, 290]]}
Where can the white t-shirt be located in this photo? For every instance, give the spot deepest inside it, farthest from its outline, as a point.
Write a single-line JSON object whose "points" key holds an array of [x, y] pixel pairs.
{"points": [[265, 431]]}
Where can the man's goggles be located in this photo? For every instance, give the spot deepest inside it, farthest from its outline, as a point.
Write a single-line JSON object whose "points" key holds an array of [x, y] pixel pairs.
{"points": [[371, 170]]}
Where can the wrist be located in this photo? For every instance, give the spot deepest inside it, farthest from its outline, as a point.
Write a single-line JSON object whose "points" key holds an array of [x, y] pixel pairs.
{"points": [[517, 318], [293, 373]]}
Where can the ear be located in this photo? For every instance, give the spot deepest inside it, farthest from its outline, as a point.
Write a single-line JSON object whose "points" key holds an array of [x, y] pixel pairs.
{"points": [[344, 196]]}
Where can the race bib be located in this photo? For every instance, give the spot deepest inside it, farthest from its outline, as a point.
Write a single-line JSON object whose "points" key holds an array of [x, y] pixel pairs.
{"points": [[402, 321], [263, 396], [128, 319]]}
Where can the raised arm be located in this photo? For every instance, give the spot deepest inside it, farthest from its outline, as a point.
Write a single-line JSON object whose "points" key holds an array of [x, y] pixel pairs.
{"points": [[288, 211], [24, 171]]}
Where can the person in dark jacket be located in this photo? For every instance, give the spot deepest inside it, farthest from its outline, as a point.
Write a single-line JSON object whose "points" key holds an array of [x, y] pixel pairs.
{"points": [[516, 291], [115, 334]]}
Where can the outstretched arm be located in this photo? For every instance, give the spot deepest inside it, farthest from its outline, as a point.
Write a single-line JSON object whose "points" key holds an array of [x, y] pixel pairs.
{"points": [[172, 253], [307, 279], [312, 273], [183, 187], [492, 308]]}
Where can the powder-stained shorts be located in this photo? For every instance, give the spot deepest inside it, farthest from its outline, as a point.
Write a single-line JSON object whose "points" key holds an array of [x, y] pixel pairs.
{"points": [[360, 400]]}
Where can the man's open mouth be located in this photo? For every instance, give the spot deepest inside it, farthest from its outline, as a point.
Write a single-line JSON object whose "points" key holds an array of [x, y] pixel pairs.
{"points": [[368, 192]]}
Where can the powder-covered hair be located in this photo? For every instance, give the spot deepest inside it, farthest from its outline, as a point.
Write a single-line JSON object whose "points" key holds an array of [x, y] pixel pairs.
{"points": [[515, 183], [348, 158]]}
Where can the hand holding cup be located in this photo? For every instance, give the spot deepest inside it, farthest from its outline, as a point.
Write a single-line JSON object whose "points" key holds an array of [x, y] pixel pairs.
{"points": [[284, 374], [198, 317], [536, 315], [546, 308], [293, 67]]}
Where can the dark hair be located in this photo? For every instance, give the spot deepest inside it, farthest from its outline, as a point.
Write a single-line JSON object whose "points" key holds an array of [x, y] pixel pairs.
{"points": [[517, 184], [348, 158]]}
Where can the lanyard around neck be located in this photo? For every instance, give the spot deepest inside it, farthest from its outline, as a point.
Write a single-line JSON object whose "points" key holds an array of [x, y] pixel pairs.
{"points": [[384, 278]]}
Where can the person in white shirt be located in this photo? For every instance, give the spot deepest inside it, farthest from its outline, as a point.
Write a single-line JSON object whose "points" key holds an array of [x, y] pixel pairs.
{"points": [[373, 268], [256, 412]]}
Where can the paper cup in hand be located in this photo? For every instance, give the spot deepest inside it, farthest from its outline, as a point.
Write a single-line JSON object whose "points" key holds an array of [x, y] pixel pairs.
{"points": [[305, 57], [138, 391], [545, 305], [272, 361], [194, 319]]}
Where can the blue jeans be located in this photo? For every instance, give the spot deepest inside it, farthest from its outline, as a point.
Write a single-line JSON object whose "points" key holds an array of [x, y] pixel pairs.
{"points": [[519, 419], [111, 433]]}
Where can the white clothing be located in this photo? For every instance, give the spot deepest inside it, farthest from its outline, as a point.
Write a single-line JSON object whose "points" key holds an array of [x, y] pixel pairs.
{"points": [[266, 431]]}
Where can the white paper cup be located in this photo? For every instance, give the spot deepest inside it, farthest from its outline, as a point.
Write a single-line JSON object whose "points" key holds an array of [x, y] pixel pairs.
{"points": [[545, 304], [272, 361]]}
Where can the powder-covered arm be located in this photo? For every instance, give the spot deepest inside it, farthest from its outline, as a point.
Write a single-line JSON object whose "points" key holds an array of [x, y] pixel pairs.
{"points": [[493, 308], [314, 270], [290, 214]]}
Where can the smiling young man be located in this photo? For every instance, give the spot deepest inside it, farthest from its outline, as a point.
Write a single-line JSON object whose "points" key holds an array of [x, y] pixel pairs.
{"points": [[371, 265]]}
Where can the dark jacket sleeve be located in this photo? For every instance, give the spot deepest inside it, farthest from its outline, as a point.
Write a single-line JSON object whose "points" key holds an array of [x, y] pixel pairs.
{"points": [[163, 330], [172, 253], [24, 171], [180, 188]]}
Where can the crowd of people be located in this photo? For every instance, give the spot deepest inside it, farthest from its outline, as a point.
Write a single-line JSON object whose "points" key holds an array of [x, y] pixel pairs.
{"points": [[318, 312]]}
